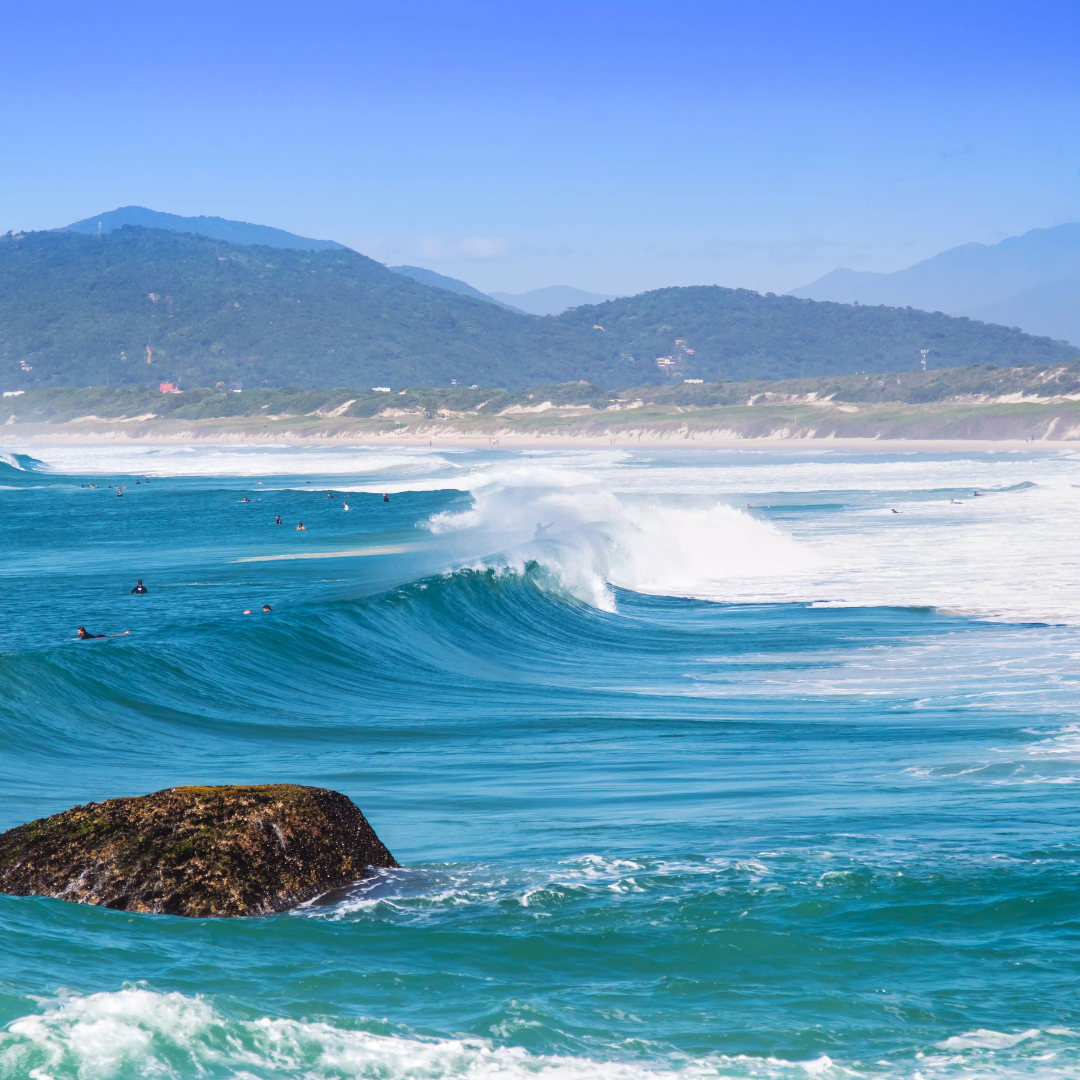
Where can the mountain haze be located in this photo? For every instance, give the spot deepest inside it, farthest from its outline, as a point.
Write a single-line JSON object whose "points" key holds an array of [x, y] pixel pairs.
{"points": [[235, 232], [1031, 281], [441, 281], [553, 300]]}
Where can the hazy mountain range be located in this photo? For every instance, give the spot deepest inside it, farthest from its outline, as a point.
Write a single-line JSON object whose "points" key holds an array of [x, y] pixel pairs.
{"points": [[553, 300], [1030, 281], [136, 306], [235, 232], [454, 285]]}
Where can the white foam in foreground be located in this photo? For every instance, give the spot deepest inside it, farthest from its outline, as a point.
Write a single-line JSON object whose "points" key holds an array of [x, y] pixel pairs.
{"points": [[141, 1033]]}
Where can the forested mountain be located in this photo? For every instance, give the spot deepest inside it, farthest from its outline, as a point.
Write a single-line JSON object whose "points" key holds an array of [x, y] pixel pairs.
{"points": [[234, 232], [139, 306], [738, 334]]}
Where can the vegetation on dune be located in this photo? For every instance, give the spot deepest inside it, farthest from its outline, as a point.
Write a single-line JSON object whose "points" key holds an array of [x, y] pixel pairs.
{"points": [[142, 306], [979, 381]]}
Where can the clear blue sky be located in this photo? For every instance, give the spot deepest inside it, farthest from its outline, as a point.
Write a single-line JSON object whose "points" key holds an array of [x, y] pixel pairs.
{"points": [[611, 146]]}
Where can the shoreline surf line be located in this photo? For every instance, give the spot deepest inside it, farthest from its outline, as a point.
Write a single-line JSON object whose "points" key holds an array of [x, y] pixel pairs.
{"points": [[389, 549]]}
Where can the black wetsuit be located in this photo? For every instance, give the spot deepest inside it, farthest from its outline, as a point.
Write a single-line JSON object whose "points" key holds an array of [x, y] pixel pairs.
{"points": [[139, 589]]}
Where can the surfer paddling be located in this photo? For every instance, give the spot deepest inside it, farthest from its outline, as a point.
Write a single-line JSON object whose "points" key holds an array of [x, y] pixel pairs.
{"points": [[85, 635]]}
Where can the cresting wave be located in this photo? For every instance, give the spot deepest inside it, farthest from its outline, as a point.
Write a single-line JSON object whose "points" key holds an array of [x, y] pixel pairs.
{"points": [[1001, 554], [589, 540], [22, 462], [138, 1032]]}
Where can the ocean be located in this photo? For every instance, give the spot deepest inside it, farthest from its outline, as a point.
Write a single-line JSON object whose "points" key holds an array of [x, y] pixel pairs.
{"points": [[697, 763]]}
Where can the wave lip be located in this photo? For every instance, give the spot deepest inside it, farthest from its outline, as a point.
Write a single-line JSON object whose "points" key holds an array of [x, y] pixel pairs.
{"points": [[23, 463]]}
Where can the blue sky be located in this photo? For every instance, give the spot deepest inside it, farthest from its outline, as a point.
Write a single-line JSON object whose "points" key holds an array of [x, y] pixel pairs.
{"points": [[612, 146]]}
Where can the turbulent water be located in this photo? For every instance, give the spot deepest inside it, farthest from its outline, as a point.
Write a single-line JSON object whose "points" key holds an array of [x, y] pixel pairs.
{"points": [[696, 763]]}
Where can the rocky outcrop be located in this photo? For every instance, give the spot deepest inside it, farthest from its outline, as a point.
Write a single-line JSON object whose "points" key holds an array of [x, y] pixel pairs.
{"points": [[199, 851]]}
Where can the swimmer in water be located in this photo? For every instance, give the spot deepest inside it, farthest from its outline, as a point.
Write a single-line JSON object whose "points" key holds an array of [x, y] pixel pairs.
{"points": [[140, 588], [345, 505], [329, 494], [278, 520], [266, 607], [300, 527], [119, 493], [85, 635], [244, 499], [385, 498]]}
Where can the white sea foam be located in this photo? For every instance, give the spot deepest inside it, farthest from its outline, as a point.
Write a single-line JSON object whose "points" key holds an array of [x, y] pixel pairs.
{"points": [[140, 1032], [591, 538], [121, 459], [671, 522], [1006, 555]]}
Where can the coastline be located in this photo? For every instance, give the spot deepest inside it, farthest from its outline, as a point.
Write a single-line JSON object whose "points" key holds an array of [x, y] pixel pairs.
{"points": [[561, 441], [937, 427]]}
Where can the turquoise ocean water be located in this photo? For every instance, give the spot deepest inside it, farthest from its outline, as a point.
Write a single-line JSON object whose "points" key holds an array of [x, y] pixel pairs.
{"points": [[679, 785]]}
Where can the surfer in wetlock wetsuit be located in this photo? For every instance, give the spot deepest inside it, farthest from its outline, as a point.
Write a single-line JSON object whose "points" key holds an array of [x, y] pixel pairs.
{"points": [[139, 589]]}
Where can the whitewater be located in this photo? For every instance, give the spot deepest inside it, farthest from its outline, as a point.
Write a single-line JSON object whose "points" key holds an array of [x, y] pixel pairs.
{"points": [[697, 763]]}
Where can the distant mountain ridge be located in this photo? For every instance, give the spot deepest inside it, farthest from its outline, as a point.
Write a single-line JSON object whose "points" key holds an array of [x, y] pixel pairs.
{"points": [[552, 300], [454, 285], [142, 305], [1031, 281], [233, 232]]}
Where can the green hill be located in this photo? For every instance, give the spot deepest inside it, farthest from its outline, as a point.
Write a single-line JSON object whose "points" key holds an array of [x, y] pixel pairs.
{"points": [[79, 310], [739, 334]]}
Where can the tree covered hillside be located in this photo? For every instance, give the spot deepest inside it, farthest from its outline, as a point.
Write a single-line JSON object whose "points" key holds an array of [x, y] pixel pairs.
{"points": [[209, 311], [738, 334], [78, 310]]}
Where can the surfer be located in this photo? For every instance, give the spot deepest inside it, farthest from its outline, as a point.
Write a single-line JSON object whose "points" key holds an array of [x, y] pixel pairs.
{"points": [[266, 607], [385, 497], [976, 494], [896, 511], [85, 635], [277, 520], [329, 494], [244, 499], [345, 505], [119, 493], [139, 589], [541, 530], [300, 527]]}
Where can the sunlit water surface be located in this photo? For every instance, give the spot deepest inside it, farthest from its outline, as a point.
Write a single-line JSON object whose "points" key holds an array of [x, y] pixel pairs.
{"points": [[698, 763]]}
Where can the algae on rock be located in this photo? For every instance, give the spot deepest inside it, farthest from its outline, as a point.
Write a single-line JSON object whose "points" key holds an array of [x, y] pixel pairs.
{"points": [[197, 851]]}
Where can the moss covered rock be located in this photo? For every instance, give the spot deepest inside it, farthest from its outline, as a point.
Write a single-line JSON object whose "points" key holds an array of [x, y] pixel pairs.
{"points": [[197, 851]]}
